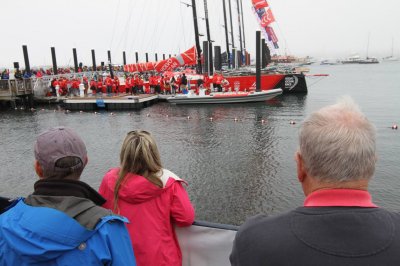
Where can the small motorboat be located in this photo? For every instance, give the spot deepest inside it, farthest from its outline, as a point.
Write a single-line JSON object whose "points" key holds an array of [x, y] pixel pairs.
{"points": [[224, 97]]}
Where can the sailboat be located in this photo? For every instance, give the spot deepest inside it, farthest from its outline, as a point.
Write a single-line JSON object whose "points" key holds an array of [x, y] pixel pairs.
{"points": [[368, 60], [391, 57]]}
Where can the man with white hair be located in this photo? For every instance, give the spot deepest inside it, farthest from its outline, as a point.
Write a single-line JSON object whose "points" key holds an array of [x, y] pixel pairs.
{"points": [[338, 224]]}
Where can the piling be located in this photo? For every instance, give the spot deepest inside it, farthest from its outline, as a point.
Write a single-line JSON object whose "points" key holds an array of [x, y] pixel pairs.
{"points": [[75, 59], [258, 69], [218, 59], [94, 60], [26, 58]]}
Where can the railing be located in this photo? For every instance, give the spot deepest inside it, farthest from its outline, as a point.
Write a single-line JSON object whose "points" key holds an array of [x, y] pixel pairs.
{"points": [[13, 88]]}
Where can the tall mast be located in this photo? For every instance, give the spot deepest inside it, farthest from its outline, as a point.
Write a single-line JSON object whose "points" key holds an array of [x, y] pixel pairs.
{"points": [[226, 36], [368, 44], [230, 15], [240, 31], [210, 54], [244, 38], [196, 35]]}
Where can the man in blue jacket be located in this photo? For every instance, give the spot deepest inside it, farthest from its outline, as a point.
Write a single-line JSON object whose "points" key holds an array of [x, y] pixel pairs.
{"points": [[61, 222], [338, 223]]}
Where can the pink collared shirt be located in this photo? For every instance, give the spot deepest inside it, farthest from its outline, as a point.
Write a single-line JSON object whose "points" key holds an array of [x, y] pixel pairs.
{"points": [[340, 198]]}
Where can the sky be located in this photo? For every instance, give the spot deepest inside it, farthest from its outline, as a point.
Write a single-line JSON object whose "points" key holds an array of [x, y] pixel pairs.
{"points": [[317, 28]]}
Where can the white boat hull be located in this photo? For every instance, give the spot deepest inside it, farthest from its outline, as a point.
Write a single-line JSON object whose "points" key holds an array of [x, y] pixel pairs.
{"points": [[221, 98]]}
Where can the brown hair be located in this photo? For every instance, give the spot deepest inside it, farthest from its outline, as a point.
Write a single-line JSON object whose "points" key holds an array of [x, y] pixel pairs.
{"points": [[139, 155]]}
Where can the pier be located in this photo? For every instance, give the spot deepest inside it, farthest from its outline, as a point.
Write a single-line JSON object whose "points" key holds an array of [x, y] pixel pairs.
{"points": [[15, 90], [116, 102]]}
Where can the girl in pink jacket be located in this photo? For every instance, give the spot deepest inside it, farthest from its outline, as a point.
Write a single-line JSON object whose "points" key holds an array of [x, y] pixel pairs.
{"points": [[152, 198]]}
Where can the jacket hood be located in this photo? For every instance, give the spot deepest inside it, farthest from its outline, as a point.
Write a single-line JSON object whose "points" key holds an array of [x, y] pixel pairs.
{"points": [[137, 189], [25, 232]]}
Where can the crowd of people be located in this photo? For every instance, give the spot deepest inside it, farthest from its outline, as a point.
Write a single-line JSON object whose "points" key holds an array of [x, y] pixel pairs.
{"points": [[67, 82], [131, 219]]}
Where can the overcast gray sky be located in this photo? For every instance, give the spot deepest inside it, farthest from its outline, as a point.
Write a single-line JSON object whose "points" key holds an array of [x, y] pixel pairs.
{"points": [[319, 28]]}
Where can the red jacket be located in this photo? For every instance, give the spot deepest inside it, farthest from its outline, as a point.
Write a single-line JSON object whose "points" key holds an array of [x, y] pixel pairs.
{"points": [[152, 212]]}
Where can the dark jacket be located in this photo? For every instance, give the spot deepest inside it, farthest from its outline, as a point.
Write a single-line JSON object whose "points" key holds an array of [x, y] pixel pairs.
{"points": [[320, 236]]}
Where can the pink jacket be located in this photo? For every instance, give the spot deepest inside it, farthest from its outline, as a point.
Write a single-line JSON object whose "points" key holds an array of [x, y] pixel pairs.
{"points": [[152, 212]]}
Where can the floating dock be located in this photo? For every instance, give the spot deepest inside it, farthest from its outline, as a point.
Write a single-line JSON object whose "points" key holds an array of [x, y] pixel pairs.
{"points": [[116, 102]]}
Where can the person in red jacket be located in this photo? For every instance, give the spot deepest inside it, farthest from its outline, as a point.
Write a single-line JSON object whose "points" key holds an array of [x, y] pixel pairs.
{"points": [[99, 86], [135, 84], [116, 82], [167, 84], [152, 198], [93, 86], [128, 86], [108, 83], [217, 81]]}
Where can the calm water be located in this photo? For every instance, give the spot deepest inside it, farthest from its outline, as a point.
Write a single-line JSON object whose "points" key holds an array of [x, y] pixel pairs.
{"points": [[234, 169]]}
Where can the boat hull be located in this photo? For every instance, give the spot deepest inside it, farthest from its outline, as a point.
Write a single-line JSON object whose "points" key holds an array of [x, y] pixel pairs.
{"points": [[225, 98], [289, 83]]}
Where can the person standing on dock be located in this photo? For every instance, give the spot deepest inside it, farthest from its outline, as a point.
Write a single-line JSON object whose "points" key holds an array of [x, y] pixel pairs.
{"points": [[152, 198], [61, 222], [338, 224], [183, 84], [108, 83]]}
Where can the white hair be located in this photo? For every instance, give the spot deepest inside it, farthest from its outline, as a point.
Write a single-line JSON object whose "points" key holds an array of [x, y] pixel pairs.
{"points": [[337, 143]]}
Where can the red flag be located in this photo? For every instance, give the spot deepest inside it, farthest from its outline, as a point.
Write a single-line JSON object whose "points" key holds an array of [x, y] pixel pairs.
{"points": [[267, 18], [259, 4]]}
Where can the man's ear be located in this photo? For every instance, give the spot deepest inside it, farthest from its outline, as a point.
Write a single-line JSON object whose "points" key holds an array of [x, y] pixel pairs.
{"points": [[301, 171], [38, 169]]}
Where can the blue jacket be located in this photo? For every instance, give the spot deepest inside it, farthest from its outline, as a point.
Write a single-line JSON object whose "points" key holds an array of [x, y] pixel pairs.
{"points": [[46, 236]]}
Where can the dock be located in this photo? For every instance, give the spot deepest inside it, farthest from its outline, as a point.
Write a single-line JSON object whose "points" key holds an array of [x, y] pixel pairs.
{"points": [[15, 90], [114, 102]]}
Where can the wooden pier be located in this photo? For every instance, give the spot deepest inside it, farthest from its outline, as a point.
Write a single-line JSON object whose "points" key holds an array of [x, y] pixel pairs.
{"points": [[116, 102], [15, 90]]}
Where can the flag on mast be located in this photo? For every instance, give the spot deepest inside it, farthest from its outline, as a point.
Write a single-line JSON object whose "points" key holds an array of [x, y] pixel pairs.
{"points": [[264, 15]]}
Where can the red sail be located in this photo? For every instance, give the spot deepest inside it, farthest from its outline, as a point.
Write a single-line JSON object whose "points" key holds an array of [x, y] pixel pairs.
{"points": [[187, 58]]}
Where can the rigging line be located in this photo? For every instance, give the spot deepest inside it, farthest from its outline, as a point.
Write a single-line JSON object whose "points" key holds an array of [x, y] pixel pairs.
{"points": [[143, 39], [126, 27], [183, 27], [136, 30], [164, 23], [115, 22], [155, 31], [283, 36]]}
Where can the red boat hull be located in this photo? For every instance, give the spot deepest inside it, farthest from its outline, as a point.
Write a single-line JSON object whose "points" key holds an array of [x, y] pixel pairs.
{"points": [[289, 83]]}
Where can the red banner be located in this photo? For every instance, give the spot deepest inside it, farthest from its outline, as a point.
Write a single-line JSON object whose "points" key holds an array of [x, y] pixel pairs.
{"points": [[271, 34], [267, 18]]}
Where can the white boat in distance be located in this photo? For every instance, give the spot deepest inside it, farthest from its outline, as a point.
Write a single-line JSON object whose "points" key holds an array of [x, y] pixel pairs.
{"points": [[227, 97]]}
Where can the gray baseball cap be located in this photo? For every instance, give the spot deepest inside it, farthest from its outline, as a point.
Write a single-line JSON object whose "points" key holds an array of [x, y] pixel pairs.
{"points": [[56, 143]]}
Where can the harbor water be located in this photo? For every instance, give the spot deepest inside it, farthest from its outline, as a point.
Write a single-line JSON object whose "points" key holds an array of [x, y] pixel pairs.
{"points": [[239, 163]]}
